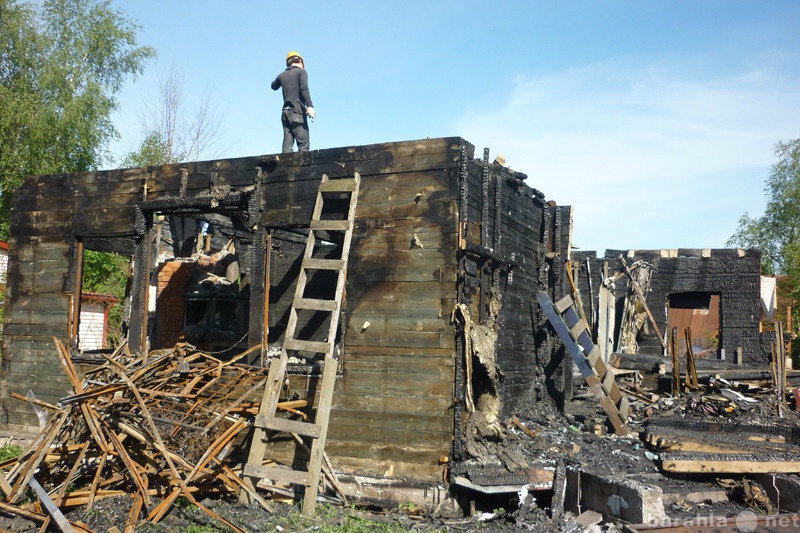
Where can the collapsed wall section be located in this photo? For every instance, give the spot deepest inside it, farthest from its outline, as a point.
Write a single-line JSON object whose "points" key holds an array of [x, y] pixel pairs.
{"points": [[725, 282], [513, 244]]}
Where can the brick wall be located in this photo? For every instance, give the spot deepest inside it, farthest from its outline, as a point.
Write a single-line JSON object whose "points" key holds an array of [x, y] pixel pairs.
{"points": [[173, 279]]}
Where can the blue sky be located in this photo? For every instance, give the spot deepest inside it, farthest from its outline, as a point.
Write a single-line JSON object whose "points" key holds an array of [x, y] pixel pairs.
{"points": [[655, 120]]}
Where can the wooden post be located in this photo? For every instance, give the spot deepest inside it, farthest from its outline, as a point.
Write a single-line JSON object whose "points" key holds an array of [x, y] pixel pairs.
{"points": [[781, 369], [691, 369], [591, 295], [265, 325], [77, 288], [137, 334], [676, 363], [576, 292]]}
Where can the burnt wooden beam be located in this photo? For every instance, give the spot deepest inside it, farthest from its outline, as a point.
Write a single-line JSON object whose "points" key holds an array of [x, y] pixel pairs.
{"points": [[485, 200], [234, 200], [137, 331], [488, 254], [77, 289], [184, 181], [259, 289], [498, 220]]}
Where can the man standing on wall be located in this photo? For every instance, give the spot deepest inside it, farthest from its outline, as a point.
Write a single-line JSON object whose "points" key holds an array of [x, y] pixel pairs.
{"points": [[296, 103]]}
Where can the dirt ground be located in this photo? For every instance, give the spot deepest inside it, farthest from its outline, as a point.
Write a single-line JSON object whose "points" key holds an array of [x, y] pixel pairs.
{"points": [[110, 513]]}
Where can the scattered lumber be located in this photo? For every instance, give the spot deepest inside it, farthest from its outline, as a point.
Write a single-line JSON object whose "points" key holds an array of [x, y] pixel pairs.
{"points": [[155, 426], [717, 463]]}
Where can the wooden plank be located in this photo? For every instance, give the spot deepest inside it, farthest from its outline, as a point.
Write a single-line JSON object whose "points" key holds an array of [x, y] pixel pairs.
{"points": [[563, 304], [40, 303], [318, 445], [377, 420], [418, 339], [53, 319], [306, 346], [577, 329], [287, 426], [52, 509], [404, 262], [329, 225], [338, 185], [729, 464], [315, 304], [561, 328], [397, 360], [423, 454], [430, 307], [323, 264], [371, 384], [396, 403], [358, 376], [406, 238], [276, 473], [368, 351]]}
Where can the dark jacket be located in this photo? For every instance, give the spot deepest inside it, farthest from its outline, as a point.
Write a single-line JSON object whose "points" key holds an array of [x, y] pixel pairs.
{"points": [[294, 81]]}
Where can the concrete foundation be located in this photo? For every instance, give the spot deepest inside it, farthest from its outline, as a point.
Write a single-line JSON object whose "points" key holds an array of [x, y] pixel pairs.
{"points": [[614, 496]]}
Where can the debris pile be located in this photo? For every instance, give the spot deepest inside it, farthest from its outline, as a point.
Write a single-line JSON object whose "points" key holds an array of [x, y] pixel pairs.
{"points": [[153, 427]]}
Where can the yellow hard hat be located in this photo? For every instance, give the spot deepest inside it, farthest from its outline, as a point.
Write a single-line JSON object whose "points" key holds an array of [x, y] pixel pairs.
{"points": [[292, 54]]}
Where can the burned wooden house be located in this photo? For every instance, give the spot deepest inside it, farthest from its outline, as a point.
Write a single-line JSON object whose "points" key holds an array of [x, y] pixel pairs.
{"points": [[713, 292], [447, 250]]}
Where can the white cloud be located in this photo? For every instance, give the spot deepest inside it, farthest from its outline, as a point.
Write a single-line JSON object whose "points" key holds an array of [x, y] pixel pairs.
{"points": [[649, 156]]}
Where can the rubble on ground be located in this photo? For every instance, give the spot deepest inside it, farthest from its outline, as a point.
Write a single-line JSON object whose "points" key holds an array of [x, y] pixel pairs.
{"points": [[143, 437]]}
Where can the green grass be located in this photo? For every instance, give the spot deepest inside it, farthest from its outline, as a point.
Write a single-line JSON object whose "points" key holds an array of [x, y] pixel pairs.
{"points": [[332, 519], [201, 529], [9, 451]]}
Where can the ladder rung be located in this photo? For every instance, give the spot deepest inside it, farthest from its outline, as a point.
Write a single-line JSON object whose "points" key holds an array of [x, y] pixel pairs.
{"points": [[608, 382], [624, 408], [323, 264], [276, 473], [306, 346], [600, 365], [577, 329], [593, 356], [287, 426], [563, 304], [316, 304], [340, 185], [330, 225]]}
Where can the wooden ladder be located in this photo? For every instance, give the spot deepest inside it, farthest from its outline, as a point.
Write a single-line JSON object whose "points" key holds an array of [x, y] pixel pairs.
{"points": [[575, 335], [266, 420]]}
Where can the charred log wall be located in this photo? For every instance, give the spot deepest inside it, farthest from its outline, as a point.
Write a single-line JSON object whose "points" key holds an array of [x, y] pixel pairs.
{"points": [[433, 228], [392, 409], [52, 219], [513, 246]]}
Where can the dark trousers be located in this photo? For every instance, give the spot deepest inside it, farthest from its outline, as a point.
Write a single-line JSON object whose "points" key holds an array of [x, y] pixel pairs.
{"points": [[295, 128]]}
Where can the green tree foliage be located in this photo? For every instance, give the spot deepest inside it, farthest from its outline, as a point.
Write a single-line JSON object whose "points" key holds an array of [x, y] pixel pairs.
{"points": [[108, 273], [61, 64], [105, 273], [777, 231], [153, 151]]}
